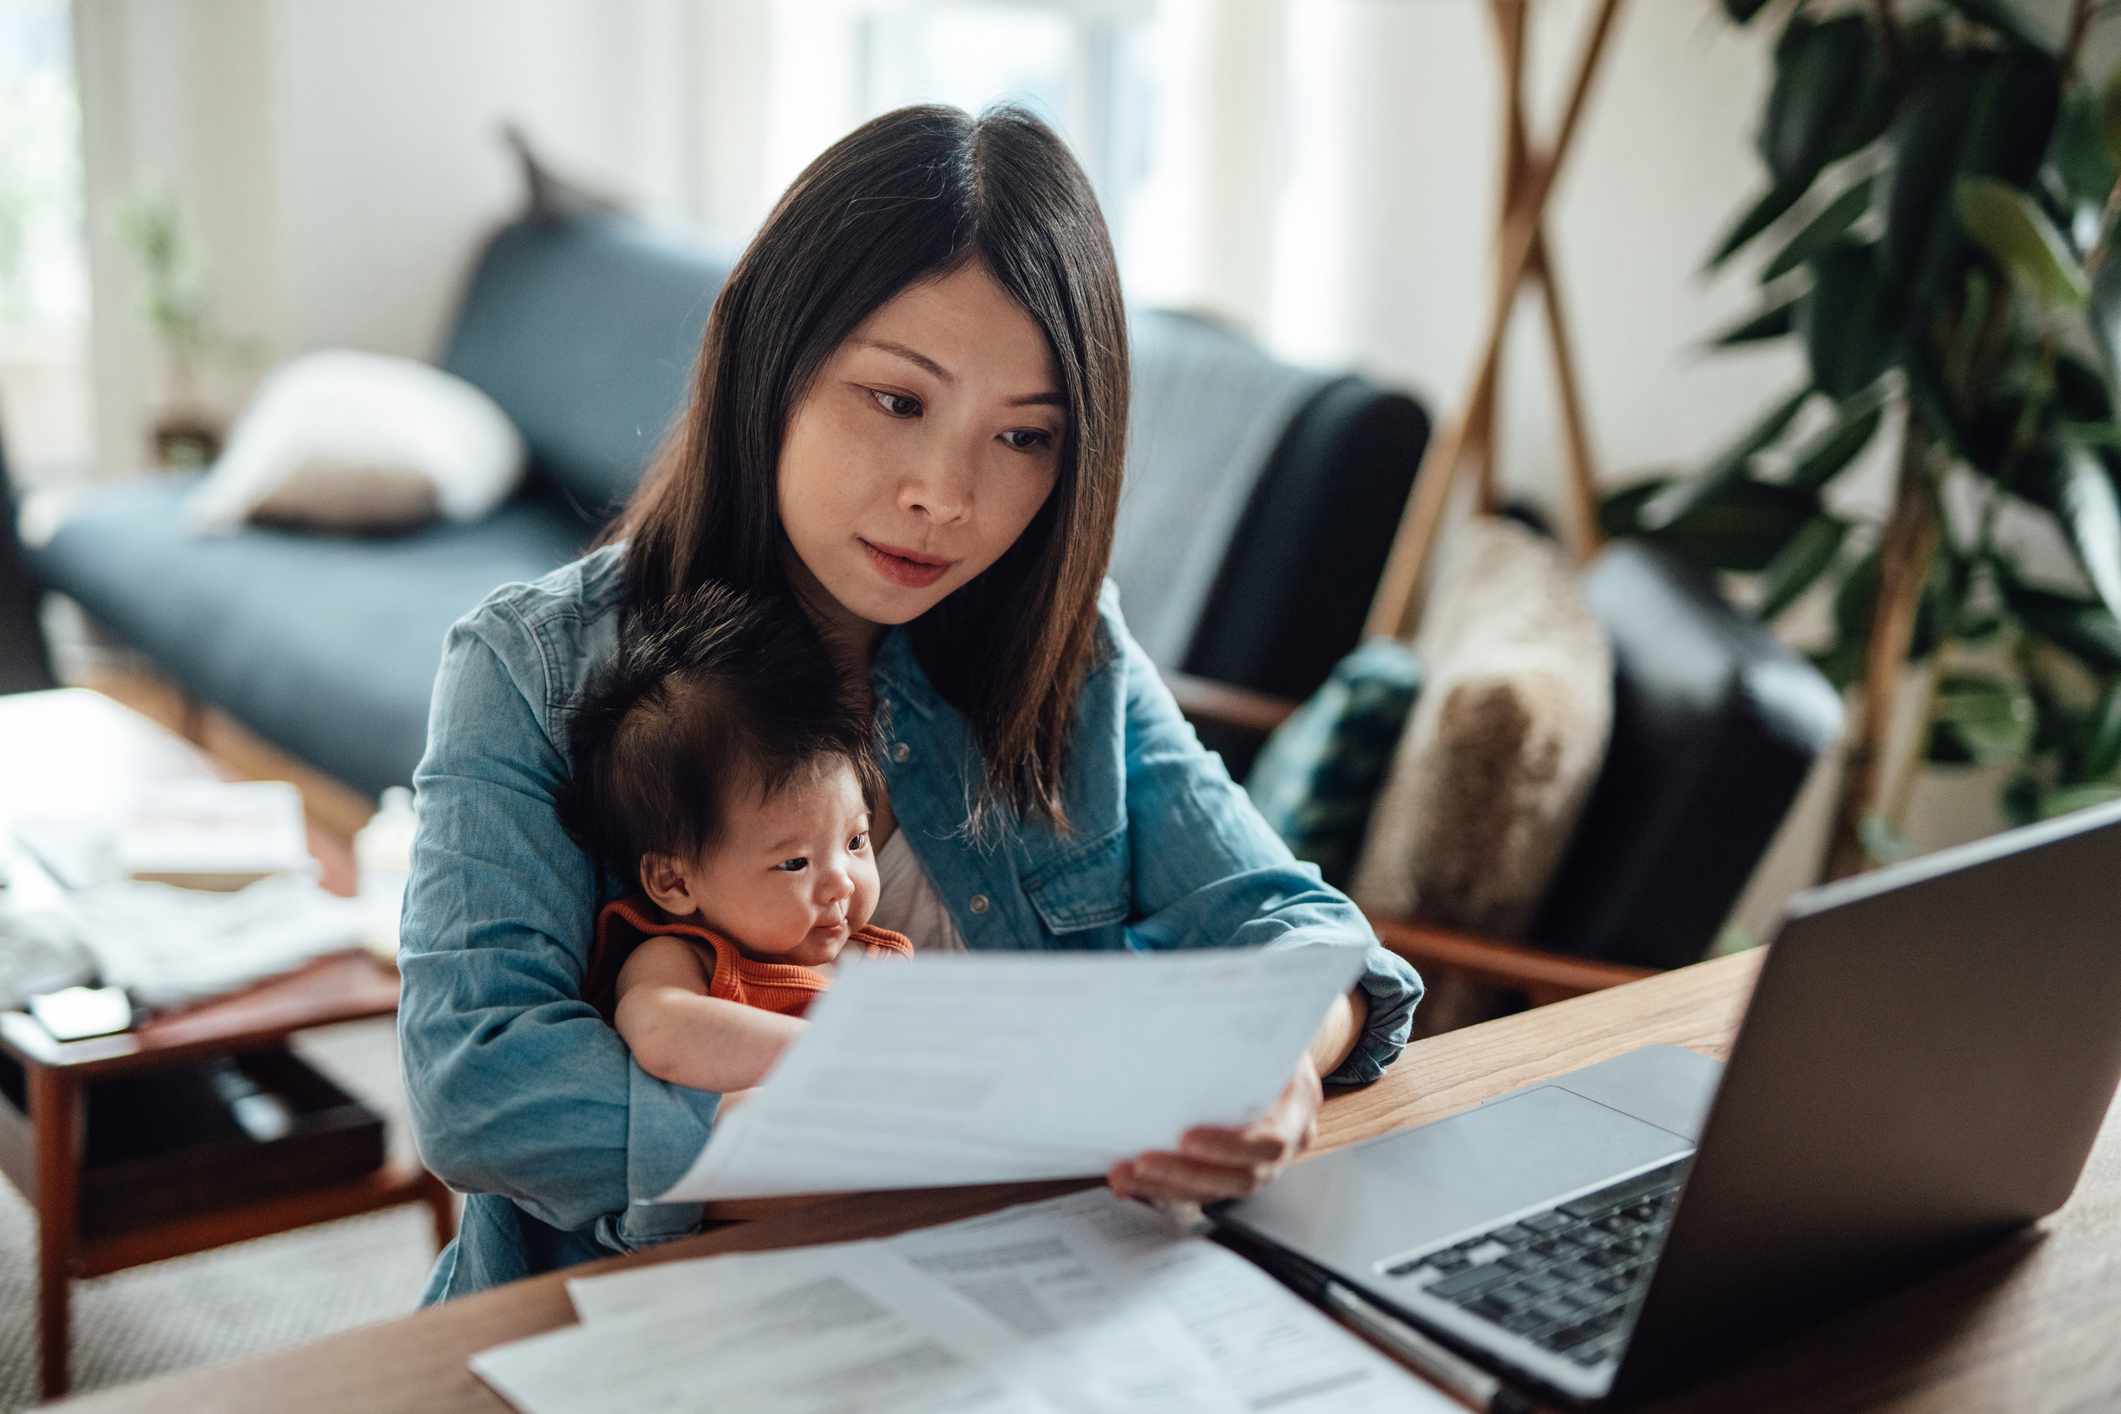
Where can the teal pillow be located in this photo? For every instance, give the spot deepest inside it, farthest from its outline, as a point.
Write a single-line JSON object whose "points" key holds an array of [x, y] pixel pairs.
{"points": [[1318, 776]]}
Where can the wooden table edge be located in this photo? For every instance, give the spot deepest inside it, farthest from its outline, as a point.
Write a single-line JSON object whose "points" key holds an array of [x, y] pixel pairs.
{"points": [[342, 1370]]}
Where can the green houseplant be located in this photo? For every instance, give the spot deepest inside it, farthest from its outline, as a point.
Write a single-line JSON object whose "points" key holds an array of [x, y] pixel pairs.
{"points": [[184, 431], [1942, 182]]}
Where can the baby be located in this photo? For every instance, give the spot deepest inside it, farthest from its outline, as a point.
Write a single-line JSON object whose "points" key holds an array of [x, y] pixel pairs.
{"points": [[720, 767]]}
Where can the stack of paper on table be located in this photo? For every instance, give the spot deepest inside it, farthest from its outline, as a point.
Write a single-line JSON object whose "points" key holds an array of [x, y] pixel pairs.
{"points": [[1081, 1303], [985, 1068], [220, 835]]}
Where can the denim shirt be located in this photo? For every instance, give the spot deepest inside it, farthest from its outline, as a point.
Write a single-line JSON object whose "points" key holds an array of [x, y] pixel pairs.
{"points": [[524, 1099]]}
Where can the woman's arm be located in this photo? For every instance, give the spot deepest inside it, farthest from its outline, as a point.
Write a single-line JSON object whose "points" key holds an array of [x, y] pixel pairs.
{"points": [[1342, 1028], [516, 1085], [1209, 871], [678, 1033]]}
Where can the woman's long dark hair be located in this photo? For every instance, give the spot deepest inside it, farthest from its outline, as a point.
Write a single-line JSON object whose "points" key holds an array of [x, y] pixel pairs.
{"points": [[915, 195]]}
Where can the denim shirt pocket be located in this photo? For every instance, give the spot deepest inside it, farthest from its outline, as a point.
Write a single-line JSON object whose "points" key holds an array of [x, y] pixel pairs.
{"points": [[1083, 885]]}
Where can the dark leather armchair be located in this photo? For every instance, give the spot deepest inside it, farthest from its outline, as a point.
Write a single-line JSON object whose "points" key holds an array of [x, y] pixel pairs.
{"points": [[1715, 727]]}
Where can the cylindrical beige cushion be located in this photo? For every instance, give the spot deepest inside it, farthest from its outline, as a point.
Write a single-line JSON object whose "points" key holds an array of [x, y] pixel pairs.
{"points": [[1493, 770]]}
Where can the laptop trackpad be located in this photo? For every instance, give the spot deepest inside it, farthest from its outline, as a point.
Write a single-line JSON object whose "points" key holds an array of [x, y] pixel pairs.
{"points": [[1394, 1195]]}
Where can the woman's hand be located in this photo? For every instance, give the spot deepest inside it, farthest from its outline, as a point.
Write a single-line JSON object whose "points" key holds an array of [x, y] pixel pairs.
{"points": [[1225, 1161]]}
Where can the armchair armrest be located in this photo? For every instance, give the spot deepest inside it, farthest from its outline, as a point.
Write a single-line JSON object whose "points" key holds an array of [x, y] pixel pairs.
{"points": [[1228, 707], [1543, 976]]}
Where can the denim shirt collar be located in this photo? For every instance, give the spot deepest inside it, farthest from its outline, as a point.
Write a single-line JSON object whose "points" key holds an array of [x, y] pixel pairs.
{"points": [[897, 668]]}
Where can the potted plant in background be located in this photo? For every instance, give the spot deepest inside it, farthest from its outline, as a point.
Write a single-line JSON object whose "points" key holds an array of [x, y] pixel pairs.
{"points": [[1942, 180], [184, 430]]}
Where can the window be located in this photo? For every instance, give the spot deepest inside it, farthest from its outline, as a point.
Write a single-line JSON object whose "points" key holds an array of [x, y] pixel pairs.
{"points": [[1082, 65], [44, 404]]}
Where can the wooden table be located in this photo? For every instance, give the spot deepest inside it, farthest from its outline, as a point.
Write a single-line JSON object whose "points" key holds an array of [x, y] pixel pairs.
{"points": [[80, 747], [2027, 1326]]}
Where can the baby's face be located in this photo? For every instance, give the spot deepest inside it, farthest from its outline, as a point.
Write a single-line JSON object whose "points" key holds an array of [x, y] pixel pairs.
{"points": [[793, 878]]}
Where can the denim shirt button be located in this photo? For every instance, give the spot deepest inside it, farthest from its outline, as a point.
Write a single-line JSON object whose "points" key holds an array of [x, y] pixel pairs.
{"points": [[900, 751], [979, 903]]}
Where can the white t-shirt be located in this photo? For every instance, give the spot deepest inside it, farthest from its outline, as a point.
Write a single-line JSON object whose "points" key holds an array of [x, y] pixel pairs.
{"points": [[906, 901]]}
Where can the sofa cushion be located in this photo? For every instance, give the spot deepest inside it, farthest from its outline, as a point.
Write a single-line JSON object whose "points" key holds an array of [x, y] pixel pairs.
{"points": [[584, 329], [324, 644], [340, 439]]}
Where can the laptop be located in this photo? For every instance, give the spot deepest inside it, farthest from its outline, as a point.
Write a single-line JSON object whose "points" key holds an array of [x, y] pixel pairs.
{"points": [[1923, 1067]]}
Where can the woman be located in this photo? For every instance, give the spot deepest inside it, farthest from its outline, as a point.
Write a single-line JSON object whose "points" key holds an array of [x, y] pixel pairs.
{"points": [[909, 408]]}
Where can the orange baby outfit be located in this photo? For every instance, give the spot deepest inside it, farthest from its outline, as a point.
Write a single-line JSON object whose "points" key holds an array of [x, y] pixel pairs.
{"points": [[784, 987]]}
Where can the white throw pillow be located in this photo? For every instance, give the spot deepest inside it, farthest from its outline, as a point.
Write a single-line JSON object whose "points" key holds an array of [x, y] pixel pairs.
{"points": [[359, 441]]}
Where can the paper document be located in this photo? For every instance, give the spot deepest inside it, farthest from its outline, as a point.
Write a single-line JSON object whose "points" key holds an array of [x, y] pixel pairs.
{"points": [[977, 1068], [1083, 1303], [818, 1337]]}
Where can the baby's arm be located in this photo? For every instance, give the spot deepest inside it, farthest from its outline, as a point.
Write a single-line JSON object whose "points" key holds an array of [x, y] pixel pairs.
{"points": [[679, 1033]]}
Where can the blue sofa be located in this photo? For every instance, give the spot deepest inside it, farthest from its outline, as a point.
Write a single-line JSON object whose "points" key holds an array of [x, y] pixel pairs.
{"points": [[583, 326]]}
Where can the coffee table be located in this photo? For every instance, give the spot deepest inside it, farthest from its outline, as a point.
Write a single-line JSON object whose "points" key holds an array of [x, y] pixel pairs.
{"points": [[76, 748]]}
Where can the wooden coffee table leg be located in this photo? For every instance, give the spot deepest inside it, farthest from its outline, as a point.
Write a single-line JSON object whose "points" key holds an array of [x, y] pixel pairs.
{"points": [[55, 1118]]}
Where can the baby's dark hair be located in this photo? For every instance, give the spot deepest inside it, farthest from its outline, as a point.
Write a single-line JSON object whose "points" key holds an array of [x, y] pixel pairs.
{"points": [[712, 696]]}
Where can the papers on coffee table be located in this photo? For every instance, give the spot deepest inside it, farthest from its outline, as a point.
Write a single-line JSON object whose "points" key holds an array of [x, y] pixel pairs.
{"points": [[985, 1068], [1082, 1303]]}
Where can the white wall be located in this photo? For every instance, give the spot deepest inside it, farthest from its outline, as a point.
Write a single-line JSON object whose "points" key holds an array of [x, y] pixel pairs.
{"points": [[339, 160], [1327, 176]]}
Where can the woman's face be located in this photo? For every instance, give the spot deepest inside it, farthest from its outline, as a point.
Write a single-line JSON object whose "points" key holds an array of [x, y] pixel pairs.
{"points": [[927, 443]]}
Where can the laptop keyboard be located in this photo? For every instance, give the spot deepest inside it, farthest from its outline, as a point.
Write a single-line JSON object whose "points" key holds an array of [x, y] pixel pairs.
{"points": [[1568, 1278]]}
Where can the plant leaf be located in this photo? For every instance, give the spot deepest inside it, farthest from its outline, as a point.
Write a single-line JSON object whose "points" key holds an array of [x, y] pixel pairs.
{"points": [[2073, 798], [2080, 627], [1728, 466], [1979, 719], [2082, 158], [1932, 401], [1743, 528], [1798, 565], [2104, 436], [2080, 389], [2103, 314], [2060, 726], [2086, 504], [1770, 323], [1763, 213], [1819, 72], [1821, 231], [2011, 227], [1999, 16], [2110, 113], [2021, 799], [1620, 510], [1819, 460], [2098, 752], [1982, 114], [1850, 320]]}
